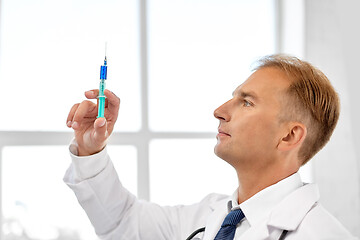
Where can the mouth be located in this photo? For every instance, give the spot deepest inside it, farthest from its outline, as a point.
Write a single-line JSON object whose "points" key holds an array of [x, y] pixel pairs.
{"points": [[222, 133]]}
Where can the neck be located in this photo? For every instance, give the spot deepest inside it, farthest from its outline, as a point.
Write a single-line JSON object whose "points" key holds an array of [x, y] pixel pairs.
{"points": [[252, 181]]}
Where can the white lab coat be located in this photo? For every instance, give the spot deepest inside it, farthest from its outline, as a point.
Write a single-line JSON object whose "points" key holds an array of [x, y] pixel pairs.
{"points": [[116, 214]]}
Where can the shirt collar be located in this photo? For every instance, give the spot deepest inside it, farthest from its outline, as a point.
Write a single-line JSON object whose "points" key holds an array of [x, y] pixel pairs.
{"points": [[260, 205]]}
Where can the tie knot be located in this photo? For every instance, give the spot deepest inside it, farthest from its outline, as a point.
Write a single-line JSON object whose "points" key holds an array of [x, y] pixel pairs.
{"points": [[233, 218]]}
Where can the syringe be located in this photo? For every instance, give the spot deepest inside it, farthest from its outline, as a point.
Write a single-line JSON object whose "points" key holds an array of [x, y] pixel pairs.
{"points": [[103, 73]]}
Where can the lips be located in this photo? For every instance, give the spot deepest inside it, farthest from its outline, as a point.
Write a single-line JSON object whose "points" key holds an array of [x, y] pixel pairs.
{"points": [[223, 133]]}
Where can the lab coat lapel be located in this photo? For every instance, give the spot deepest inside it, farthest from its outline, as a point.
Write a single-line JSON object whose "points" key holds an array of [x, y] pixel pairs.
{"points": [[287, 215], [291, 211], [215, 219]]}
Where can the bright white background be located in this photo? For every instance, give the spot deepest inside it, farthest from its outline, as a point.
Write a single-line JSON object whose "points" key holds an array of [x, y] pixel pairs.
{"points": [[51, 52]]}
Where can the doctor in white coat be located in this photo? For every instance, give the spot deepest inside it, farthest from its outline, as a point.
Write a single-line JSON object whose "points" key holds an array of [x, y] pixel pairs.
{"points": [[276, 121]]}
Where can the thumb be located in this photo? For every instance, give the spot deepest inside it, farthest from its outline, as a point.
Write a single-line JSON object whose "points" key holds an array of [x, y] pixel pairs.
{"points": [[100, 126]]}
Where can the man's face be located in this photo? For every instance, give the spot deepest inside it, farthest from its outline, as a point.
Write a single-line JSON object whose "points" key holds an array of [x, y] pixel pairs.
{"points": [[249, 129]]}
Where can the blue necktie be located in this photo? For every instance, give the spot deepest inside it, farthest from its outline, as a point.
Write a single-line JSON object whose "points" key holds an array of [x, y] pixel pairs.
{"points": [[228, 227]]}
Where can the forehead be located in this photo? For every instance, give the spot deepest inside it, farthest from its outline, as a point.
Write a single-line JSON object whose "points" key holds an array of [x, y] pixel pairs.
{"points": [[265, 83]]}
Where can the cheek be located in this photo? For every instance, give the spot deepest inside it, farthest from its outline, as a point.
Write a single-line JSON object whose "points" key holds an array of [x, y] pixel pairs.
{"points": [[256, 131]]}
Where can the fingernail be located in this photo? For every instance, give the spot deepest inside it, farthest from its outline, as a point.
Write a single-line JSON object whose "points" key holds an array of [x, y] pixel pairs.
{"points": [[102, 122], [75, 125], [68, 124], [89, 92]]}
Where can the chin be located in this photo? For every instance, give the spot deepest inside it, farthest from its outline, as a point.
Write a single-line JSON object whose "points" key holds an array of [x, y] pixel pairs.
{"points": [[225, 154], [220, 152]]}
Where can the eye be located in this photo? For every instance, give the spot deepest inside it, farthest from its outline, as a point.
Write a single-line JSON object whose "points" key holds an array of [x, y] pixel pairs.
{"points": [[247, 104]]}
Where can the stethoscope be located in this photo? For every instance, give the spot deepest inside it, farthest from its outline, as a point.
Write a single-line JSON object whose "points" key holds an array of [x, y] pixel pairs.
{"points": [[282, 236]]}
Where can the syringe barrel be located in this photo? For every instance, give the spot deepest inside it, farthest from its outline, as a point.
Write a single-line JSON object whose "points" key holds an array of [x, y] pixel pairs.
{"points": [[101, 98], [103, 72], [101, 108], [102, 87]]}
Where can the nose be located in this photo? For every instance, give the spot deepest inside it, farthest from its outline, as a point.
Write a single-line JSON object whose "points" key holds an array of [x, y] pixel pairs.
{"points": [[222, 112]]}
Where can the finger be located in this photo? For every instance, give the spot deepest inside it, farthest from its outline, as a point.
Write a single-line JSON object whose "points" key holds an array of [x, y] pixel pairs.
{"points": [[101, 134], [71, 115], [85, 108], [92, 94], [113, 102]]}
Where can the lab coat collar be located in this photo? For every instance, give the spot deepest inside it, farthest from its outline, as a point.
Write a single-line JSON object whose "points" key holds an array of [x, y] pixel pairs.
{"points": [[291, 211], [287, 215], [258, 207]]}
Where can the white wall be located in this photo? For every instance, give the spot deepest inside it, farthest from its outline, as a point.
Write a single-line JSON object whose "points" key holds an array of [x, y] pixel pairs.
{"points": [[332, 38]]}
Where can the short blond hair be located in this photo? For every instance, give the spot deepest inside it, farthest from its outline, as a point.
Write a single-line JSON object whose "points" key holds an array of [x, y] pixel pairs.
{"points": [[311, 99]]}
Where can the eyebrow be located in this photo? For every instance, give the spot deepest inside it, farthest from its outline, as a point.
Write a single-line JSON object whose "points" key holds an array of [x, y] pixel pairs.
{"points": [[245, 94]]}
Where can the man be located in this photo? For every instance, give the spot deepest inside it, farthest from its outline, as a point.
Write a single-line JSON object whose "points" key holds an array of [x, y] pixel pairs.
{"points": [[277, 120]]}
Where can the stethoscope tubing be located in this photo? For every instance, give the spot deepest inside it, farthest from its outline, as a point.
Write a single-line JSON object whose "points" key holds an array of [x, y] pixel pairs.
{"points": [[196, 232]]}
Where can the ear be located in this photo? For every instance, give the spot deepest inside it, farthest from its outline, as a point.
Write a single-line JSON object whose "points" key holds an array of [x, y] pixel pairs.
{"points": [[293, 137]]}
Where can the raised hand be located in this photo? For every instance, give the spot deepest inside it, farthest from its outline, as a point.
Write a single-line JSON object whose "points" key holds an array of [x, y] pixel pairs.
{"points": [[91, 133]]}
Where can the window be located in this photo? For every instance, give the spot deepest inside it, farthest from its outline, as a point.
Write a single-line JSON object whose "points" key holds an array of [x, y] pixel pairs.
{"points": [[197, 47], [54, 49], [171, 62], [37, 203]]}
